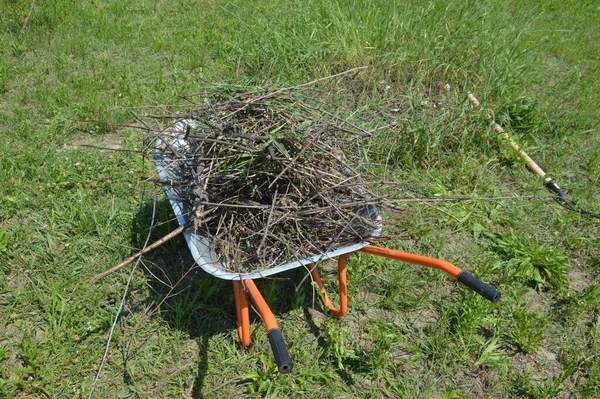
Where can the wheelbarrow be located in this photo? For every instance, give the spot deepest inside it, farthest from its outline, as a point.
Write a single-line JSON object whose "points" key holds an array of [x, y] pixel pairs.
{"points": [[243, 283]]}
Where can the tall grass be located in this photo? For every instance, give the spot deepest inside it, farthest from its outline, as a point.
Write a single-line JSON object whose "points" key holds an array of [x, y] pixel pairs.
{"points": [[468, 44]]}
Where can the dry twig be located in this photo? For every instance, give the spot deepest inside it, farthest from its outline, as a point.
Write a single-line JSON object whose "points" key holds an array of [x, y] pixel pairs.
{"points": [[28, 16], [144, 250]]}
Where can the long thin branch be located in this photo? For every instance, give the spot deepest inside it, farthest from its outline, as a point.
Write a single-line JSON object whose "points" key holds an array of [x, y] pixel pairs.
{"points": [[223, 385], [281, 90], [435, 207], [264, 237], [143, 122], [28, 16], [121, 305], [145, 250], [96, 147], [310, 83], [112, 330], [148, 313]]}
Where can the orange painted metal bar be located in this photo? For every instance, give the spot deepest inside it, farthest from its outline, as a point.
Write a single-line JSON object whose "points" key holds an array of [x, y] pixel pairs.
{"points": [[242, 312], [343, 288], [416, 259], [261, 305], [280, 352]]}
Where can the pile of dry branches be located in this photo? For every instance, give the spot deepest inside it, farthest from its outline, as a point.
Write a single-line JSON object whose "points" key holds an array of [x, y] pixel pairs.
{"points": [[264, 177]]}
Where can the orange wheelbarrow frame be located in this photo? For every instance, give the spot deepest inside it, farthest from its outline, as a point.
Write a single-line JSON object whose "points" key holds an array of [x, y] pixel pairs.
{"points": [[280, 352], [243, 284]]}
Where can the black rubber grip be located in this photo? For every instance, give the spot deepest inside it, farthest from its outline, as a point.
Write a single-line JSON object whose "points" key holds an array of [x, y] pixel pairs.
{"points": [[551, 185], [483, 289], [280, 352]]}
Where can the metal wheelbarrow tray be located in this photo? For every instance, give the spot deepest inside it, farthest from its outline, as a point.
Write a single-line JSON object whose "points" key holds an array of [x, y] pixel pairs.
{"points": [[243, 283]]}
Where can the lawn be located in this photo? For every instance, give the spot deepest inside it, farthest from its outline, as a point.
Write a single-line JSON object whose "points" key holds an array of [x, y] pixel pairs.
{"points": [[69, 211]]}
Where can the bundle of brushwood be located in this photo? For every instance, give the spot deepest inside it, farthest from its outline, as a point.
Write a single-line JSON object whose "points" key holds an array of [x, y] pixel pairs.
{"points": [[271, 176], [264, 177]]}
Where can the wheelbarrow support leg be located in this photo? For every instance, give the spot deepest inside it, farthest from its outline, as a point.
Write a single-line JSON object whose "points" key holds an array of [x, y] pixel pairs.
{"points": [[462, 276], [241, 310], [280, 352], [343, 287]]}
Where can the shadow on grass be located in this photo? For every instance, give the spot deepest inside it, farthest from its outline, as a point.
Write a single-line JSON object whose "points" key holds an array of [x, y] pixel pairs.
{"points": [[190, 300], [317, 332], [201, 305]]}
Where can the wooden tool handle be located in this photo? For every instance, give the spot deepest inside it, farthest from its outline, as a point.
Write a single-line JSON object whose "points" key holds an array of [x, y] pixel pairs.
{"points": [[531, 164]]}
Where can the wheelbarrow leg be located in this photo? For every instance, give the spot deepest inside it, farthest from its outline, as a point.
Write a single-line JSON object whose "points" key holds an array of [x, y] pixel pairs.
{"points": [[280, 352], [241, 311], [343, 287]]}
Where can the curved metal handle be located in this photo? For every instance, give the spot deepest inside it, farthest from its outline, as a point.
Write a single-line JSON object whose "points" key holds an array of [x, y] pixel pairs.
{"points": [[462, 276]]}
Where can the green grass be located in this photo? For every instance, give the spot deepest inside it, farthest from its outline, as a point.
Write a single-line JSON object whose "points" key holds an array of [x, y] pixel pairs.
{"points": [[68, 212]]}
